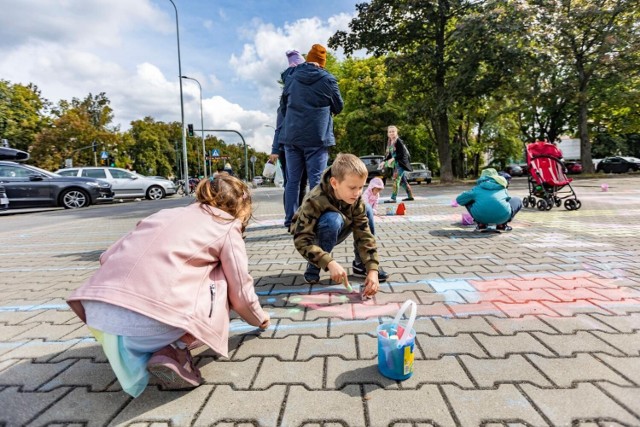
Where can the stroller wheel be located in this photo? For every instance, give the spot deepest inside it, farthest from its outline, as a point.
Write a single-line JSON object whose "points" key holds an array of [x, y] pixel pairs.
{"points": [[525, 202], [532, 201], [558, 201], [542, 204], [578, 204], [570, 205]]}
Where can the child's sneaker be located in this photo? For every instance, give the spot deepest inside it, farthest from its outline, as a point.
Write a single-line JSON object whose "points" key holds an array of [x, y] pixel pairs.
{"points": [[312, 274], [390, 201], [361, 271], [174, 368], [481, 227], [503, 227]]}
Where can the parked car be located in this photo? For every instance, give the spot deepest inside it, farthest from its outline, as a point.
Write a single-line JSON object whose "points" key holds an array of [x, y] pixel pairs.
{"points": [[125, 184], [420, 173], [372, 162], [29, 186], [618, 164], [7, 153], [573, 167], [512, 169], [258, 180], [4, 200]]}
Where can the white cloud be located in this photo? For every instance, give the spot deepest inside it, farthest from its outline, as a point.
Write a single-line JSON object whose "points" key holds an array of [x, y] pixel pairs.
{"points": [[126, 49]]}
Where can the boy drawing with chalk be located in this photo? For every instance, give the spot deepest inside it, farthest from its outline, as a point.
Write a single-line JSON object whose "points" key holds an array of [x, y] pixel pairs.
{"points": [[329, 214]]}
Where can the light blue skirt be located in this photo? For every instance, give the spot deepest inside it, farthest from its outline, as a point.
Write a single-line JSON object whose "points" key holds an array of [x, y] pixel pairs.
{"points": [[128, 356]]}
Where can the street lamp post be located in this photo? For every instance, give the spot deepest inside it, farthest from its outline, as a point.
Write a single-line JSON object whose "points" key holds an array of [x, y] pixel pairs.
{"points": [[185, 164], [204, 149]]}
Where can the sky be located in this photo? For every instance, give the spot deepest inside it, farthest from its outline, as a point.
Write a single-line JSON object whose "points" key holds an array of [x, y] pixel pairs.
{"points": [[129, 50]]}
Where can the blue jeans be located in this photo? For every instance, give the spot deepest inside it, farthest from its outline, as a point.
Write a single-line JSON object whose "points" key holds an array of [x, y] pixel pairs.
{"points": [[330, 232], [303, 180], [314, 160]]}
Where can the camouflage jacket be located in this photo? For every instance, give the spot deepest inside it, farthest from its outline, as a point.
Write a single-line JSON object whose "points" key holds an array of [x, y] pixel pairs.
{"points": [[320, 200]]}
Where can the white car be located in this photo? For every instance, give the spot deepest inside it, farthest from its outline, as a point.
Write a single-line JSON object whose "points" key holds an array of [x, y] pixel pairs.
{"points": [[125, 184], [258, 180]]}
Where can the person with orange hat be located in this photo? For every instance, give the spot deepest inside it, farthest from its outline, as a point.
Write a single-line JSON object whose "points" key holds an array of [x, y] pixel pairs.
{"points": [[309, 100]]}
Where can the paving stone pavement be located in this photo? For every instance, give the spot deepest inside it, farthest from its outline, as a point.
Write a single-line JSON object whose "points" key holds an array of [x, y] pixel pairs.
{"points": [[537, 327]]}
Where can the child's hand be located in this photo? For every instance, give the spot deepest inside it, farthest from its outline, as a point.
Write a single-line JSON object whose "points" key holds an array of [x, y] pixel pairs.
{"points": [[337, 272], [265, 325], [371, 284]]}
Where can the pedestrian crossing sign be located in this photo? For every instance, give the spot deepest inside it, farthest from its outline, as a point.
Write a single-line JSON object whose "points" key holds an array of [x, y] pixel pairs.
{"points": [[215, 153]]}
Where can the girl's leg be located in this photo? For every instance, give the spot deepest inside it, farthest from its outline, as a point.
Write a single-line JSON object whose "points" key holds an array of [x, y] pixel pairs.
{"points": [[405, 183], [396, 183]]}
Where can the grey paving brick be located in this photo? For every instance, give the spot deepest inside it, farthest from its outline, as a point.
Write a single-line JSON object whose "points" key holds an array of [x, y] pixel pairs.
{"points": [[272, 371], [564, 406], [579, 322], [446, 370], [163, 407], [47, 331], [627, 343], [454, 326], [19, 407], [228, 405], [488, 373], [342, 372], [338, 327], [506, 403], [83, 407], [344, 346], [565, 371], [237, 373], [284, 348], [317, 328], [95, 376], [525, 323], [628, 367], [425, 406], [627, 397], [501, 346], [436, 347], [303, 406], [580, 342]]}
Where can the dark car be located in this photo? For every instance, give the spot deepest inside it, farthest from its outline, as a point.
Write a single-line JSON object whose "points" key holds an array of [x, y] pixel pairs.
{"points": [[29, 186], [512, 169], [573, 167], [372, 162], [618, 164]]}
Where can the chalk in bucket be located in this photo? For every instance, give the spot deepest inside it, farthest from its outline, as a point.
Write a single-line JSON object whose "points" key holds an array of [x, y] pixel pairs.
{"points": [[396, 345]]}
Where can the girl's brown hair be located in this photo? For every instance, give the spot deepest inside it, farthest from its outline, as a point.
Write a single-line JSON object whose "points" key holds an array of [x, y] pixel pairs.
{"points": [[228, 194]]}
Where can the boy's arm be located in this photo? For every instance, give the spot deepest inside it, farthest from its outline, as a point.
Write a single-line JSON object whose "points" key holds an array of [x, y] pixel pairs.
{"points": [[465, 198], [364, 240], [304, 235]]}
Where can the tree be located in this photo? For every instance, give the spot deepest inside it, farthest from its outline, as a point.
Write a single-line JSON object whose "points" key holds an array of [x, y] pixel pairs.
{"points": [[22, 114], [441, 51], [597, 39]]}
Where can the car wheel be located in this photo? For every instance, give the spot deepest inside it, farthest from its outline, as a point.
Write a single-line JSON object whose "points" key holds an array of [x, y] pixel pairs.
{"points": [[74, 199], [155, 192], [428, 181], [630, 169]]}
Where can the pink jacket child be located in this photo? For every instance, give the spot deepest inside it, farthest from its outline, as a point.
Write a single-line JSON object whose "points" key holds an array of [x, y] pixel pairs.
{"points": [[171, 282], [372, 193]]}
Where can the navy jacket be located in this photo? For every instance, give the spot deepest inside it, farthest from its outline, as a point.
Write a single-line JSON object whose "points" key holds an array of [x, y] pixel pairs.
{"points": [[309, 99]]}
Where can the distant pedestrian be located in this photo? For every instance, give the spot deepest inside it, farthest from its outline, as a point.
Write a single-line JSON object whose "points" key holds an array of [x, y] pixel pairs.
{"points": [[489, 201], [309, 100], [397, 157], [277, 147], [171, 282], [329, 214]]}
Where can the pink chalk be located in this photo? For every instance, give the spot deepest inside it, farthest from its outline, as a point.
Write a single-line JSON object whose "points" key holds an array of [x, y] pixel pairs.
{"points": [[454, 203], [605, 187], [467, 219]]}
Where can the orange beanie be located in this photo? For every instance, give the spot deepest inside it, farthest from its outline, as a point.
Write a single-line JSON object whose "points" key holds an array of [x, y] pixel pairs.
{"points": [[318, 53]]}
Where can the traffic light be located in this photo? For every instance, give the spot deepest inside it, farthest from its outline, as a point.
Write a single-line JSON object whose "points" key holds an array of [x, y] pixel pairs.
{"points": [[190, 129]]}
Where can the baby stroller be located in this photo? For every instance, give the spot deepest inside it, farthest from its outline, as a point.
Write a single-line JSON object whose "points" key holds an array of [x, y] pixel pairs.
{"points": [[547, 179]]}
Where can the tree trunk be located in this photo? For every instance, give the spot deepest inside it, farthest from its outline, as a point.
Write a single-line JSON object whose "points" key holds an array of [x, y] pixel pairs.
{"points": [[441, 127], [585, 143]]}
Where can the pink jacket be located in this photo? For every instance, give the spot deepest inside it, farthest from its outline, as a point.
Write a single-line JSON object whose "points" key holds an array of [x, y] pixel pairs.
{"points": [[183, 267]]}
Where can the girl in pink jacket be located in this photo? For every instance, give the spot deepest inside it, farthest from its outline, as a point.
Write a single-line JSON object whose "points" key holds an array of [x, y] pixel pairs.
{"points": [[372, 193], [171, 283]]}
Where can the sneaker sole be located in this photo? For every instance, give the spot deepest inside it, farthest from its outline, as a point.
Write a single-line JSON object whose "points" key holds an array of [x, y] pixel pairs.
{"points": [[168, 373]]}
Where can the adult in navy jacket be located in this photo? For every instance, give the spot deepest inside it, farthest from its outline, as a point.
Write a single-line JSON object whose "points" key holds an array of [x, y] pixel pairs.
{"points": [[309, 99]]}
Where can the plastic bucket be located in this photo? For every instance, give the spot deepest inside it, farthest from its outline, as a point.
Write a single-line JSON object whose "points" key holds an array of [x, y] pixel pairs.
{"points": [[396, 345]]}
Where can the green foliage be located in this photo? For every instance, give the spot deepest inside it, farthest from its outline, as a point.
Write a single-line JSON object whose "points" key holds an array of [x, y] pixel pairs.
{"points": [[22, 114]]}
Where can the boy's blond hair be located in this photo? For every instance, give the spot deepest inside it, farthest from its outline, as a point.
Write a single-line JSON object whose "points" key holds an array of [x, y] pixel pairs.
{"points": [[346, 164], [226, 193]]}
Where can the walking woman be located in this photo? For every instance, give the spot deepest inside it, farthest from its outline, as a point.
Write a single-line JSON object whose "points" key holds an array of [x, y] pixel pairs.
{"points": [[397, 157]]}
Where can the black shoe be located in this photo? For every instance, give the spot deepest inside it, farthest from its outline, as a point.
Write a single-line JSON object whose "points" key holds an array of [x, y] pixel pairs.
{"points": [[481, 227], [390, 201], [361, 271], [503, 227], [312, 274], [408, 199]]}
